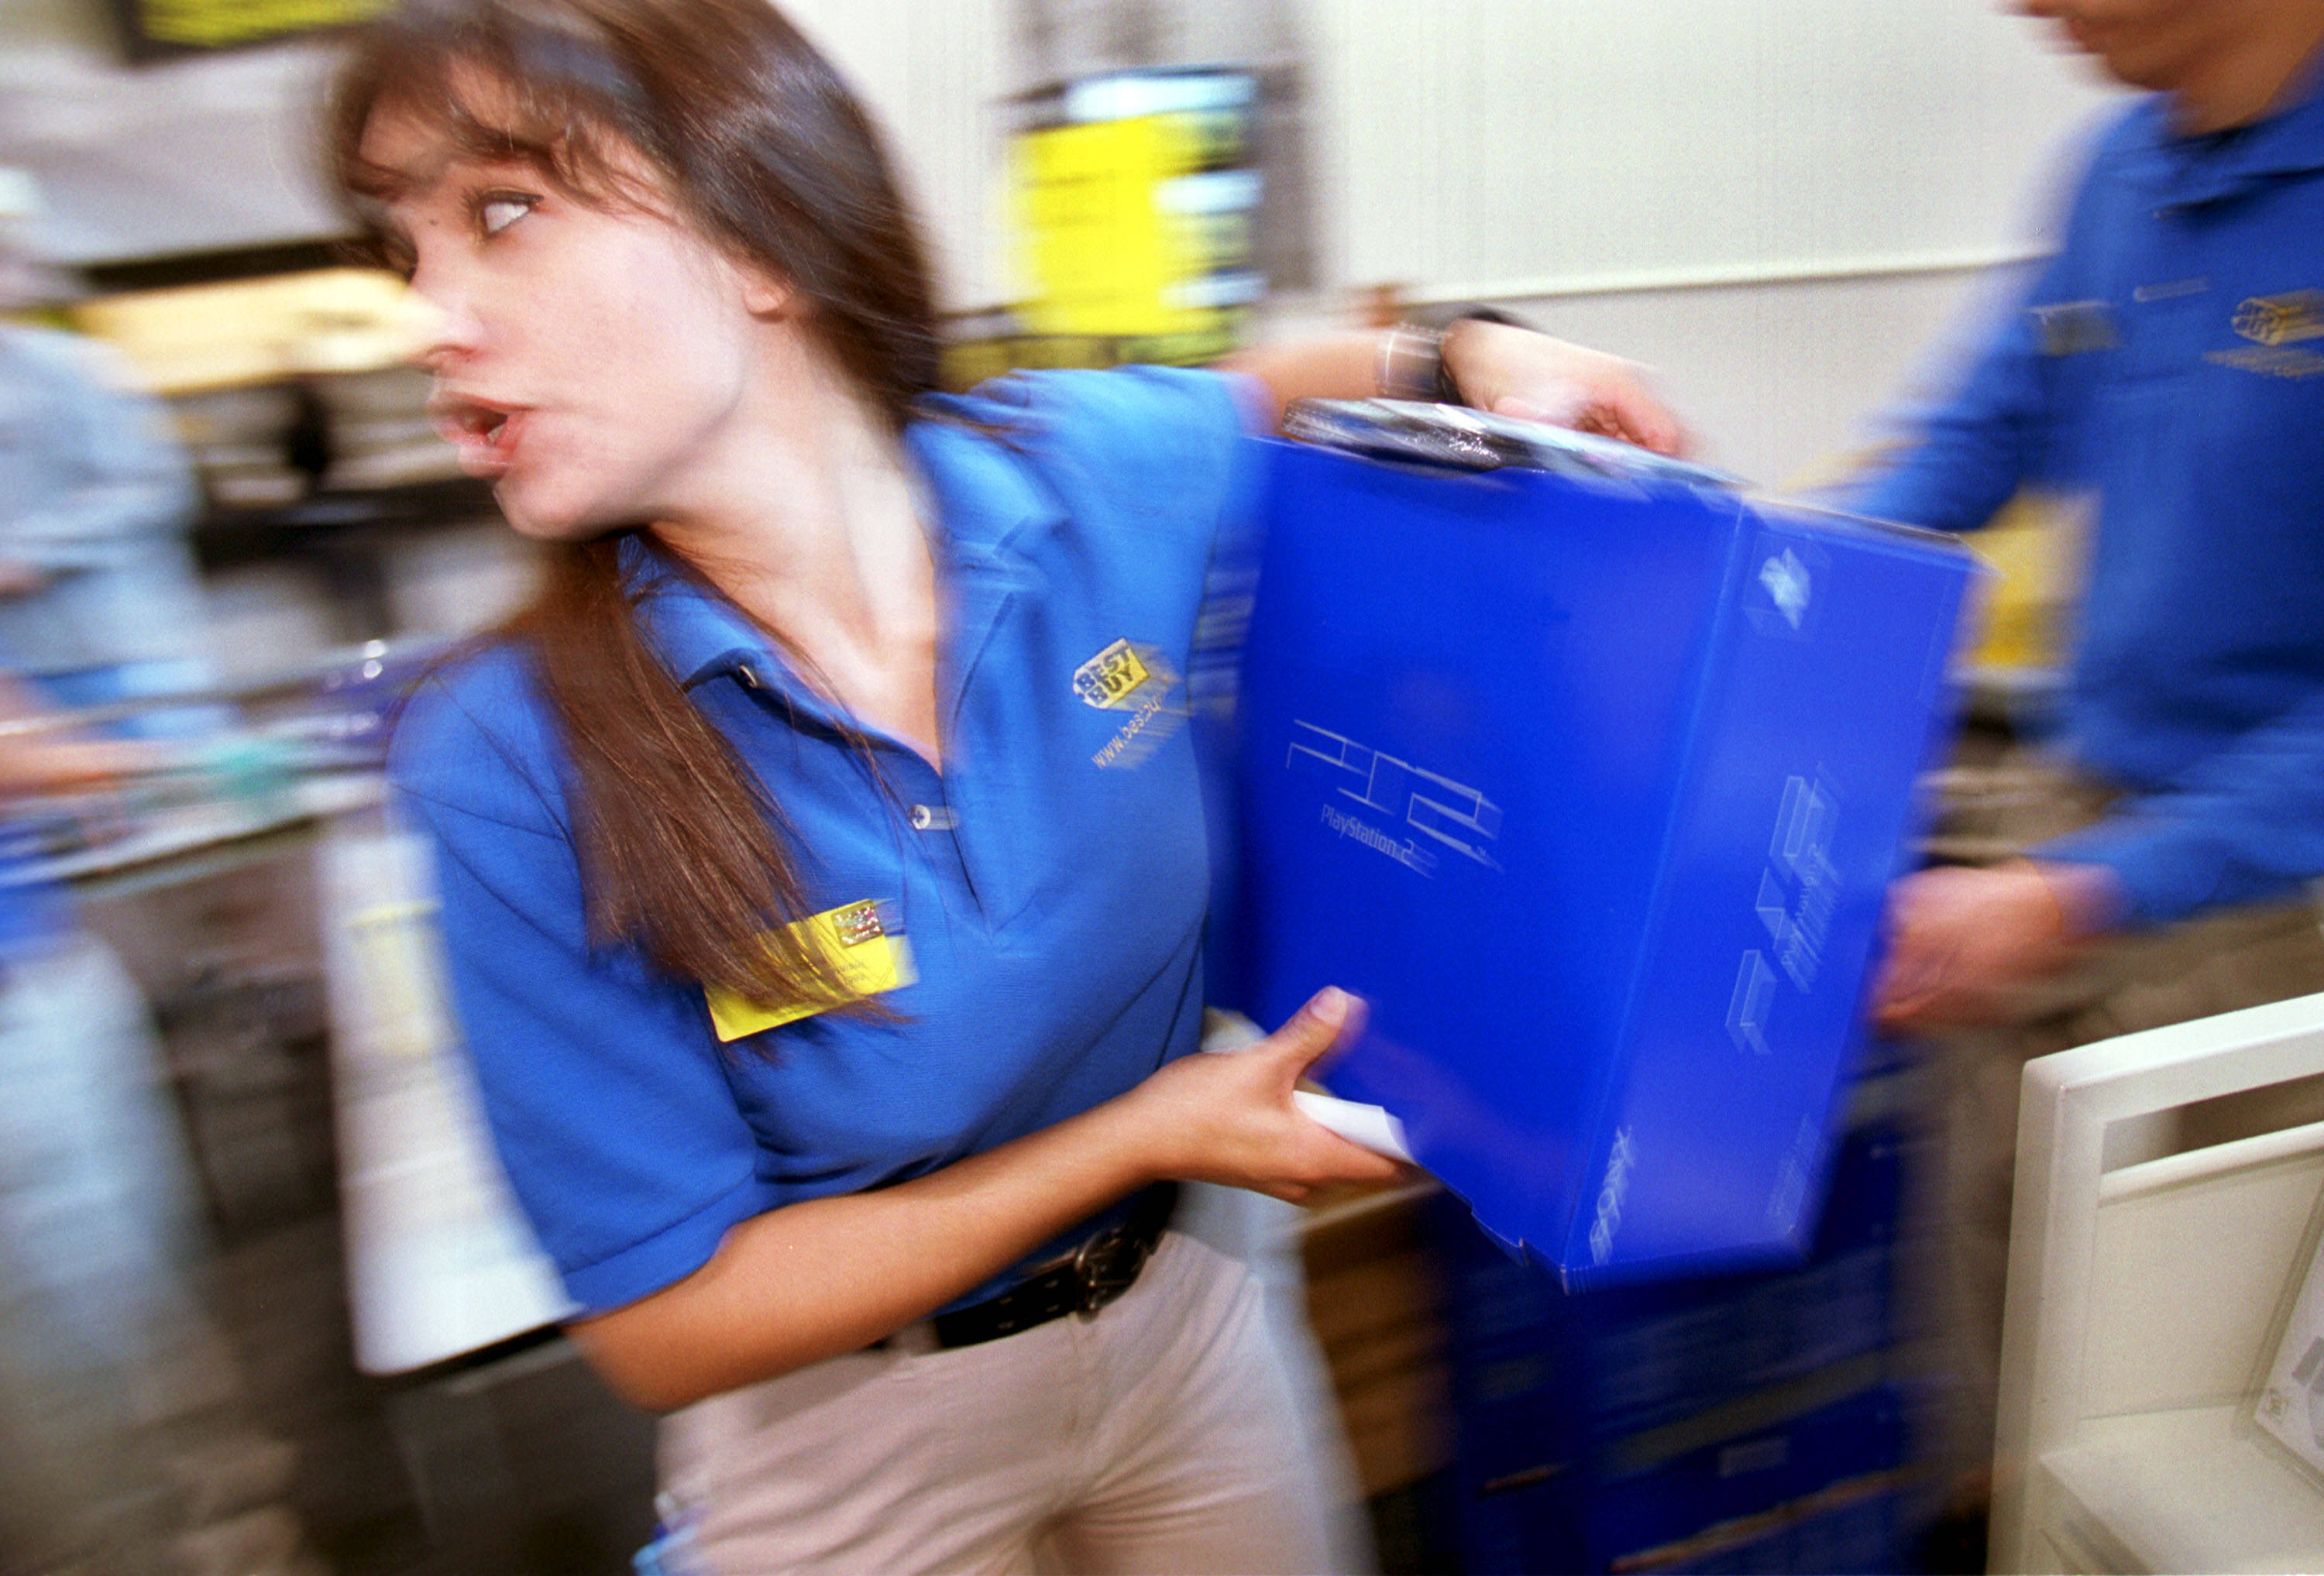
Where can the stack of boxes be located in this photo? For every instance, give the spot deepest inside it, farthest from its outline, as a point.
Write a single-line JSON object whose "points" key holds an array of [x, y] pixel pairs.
{"points": [[1733, 1424]]}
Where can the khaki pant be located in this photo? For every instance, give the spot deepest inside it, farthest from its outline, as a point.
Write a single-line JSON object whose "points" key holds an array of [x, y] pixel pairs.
{"points": [[2219, 962], [1177, 1431]]}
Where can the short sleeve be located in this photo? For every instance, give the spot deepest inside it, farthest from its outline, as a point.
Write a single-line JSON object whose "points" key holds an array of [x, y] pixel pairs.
{"points": [[604, 1090], [1164, 451]]}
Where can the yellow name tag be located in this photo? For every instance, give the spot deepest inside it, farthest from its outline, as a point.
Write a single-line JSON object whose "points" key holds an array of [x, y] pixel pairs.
{"points": [[866, 954]]}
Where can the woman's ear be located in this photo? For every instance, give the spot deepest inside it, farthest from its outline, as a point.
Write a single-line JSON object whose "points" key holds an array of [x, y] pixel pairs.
{"points": [[767, 297]]}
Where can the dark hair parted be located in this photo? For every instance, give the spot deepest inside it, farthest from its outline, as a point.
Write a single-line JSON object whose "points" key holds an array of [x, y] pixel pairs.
{"points": [[750, 137]]}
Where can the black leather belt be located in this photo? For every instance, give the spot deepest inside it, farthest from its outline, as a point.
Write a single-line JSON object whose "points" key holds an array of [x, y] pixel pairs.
{"points": [[1083, 1281]]}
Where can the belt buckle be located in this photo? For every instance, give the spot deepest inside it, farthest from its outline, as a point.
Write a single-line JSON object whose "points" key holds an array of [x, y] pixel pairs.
{"points": [[1105, 1267]]}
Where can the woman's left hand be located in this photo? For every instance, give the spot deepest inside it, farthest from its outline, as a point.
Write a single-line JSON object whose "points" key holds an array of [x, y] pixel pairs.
{"points": [[1531, 377]]}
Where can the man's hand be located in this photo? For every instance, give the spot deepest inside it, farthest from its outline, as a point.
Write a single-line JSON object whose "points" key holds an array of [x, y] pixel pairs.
{"points": [[1531, 377], [1965, 944]]}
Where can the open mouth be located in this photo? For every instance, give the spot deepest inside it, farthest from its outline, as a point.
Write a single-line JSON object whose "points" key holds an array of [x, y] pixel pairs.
{"points": [[484, 433]]}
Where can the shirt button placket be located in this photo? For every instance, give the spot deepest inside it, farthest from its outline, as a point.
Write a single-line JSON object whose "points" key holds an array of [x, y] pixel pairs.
{"points": [[934, 814]]}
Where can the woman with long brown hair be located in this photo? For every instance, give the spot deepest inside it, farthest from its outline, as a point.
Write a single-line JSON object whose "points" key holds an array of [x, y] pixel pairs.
{"points": [[828, 977]]}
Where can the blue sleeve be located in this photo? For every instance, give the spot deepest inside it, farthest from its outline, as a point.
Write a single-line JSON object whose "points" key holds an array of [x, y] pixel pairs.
{"points": [[1163, 451], [2244, 826], [603, 1086], [1962, 459]]}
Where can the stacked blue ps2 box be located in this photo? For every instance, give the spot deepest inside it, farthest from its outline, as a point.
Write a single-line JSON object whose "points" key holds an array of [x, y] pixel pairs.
{"points": [[1590, 786], [1736, 1423]]}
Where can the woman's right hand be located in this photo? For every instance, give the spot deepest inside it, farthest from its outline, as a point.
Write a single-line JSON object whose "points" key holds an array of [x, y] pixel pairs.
{"points": [[1228, 1117], [813, 1279]]}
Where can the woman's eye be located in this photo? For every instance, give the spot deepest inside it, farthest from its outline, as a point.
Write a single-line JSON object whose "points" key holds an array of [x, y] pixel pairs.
{"points": [[498, 212]]}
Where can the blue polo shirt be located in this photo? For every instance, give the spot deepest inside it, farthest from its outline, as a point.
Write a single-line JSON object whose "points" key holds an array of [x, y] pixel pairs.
{"points": [[2170, 363], [1051, 882]]}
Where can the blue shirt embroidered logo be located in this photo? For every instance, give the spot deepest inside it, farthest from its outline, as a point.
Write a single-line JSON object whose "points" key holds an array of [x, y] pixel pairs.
{"points": [[2276, 324], [1139, 679], [2280, 319], [1070, 508]]}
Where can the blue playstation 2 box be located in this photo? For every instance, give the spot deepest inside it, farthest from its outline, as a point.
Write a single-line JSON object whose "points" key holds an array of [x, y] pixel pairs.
{"points": [[1590, 786]]}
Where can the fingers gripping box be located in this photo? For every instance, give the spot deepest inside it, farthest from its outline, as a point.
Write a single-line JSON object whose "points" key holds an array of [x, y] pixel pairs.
{"points": [[1591, 788]]}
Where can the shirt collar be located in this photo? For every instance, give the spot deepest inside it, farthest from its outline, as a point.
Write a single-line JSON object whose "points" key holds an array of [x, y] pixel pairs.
{"points": [[990, 509], [987, 508], [698, 633], [2191, 170]]}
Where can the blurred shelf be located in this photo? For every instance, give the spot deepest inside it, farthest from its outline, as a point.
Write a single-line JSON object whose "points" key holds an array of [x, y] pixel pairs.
{"points": [[230, 333], [227, 537], [203, 840], [2022, 698]]}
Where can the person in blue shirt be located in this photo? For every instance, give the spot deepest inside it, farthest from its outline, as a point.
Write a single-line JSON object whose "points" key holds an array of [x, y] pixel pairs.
{"points": [[100, 601], [2168, 365], [821, 855]]}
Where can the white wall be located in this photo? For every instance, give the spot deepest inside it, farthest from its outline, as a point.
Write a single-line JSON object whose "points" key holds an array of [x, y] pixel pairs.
{"points": [[1780, 382], [188, 156], [934, 72], [1510, 147]]}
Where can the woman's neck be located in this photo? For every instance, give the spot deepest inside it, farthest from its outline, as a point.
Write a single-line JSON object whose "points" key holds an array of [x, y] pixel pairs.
{"points": [[810, 523]]}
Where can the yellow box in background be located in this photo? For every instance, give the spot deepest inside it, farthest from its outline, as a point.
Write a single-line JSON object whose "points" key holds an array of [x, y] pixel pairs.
{"points": [[1135, 207], [2022, 617], [1101, 252]]}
